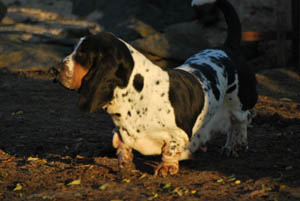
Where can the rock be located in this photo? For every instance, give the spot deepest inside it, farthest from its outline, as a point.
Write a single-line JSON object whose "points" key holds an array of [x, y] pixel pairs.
{"points": [[132, 29], [3, 10], [84, 7], [178, 42], [17, 57], [207, 14], [140, 27], [174, 11], [118, 17]]}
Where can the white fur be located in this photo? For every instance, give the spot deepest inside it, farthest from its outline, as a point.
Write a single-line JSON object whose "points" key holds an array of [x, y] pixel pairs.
{"points": [[201, 2]]}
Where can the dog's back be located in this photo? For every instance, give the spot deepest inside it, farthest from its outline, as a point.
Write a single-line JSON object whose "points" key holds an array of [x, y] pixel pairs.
{"points": [[231, 45]]}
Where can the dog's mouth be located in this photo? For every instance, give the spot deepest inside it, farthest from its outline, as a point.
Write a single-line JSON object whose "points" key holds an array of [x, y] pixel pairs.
{"points": [[54, 72], [116, 115], [59, 76]]}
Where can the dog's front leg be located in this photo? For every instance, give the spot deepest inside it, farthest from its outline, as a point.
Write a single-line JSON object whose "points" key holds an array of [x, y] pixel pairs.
{"points": [[124, 152], [169, 164]]}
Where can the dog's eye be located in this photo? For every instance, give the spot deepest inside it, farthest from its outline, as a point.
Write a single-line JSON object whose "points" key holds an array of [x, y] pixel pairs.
{"points": [[82, 58], [80, 54]]}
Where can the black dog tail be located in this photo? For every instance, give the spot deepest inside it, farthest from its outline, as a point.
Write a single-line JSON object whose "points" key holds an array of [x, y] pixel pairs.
{"points": [[234, 29]]}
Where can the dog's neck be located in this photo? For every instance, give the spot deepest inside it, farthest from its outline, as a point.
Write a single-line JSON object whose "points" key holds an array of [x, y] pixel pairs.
{"points": [[139, 59]]}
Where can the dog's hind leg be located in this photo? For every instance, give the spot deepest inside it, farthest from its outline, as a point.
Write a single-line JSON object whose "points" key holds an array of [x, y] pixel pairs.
{"points": [[237, 136]]}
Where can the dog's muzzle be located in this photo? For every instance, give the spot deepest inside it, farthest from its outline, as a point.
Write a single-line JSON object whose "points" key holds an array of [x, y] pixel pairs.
{"points": [[55, 71]]}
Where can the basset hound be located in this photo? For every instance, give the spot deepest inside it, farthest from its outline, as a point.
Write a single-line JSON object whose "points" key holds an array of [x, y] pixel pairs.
{"points": [[168, 111]]}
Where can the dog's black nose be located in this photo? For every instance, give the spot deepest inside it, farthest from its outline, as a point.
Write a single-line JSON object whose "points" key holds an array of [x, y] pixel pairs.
{"points": [[54, 71]]}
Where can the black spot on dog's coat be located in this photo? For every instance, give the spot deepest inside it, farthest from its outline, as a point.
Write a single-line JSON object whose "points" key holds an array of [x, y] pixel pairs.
{"points": [[231, 89], [210, 74], [126, 94], [230, 69], [138, 82], [145, 110]]}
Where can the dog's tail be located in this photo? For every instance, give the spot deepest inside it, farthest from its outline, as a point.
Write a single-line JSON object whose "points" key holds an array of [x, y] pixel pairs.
{"points": [[234, 29]]}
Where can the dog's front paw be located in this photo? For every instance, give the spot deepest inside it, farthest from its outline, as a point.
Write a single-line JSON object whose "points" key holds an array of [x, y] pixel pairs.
{"points": [[124, 152], [164, 169], [125, 156]]}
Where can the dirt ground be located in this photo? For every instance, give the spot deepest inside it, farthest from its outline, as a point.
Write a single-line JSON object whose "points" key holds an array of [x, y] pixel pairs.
{"points": [[51, 151]]}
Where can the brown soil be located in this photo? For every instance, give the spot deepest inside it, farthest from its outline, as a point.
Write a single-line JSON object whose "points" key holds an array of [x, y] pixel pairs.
{"points": [[46, 144]]}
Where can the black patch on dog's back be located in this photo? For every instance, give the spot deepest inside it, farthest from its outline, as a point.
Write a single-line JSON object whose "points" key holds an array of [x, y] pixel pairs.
{"points": [[138, 82], [229, 67], [186, 97], [210, 74], [231, 89]]}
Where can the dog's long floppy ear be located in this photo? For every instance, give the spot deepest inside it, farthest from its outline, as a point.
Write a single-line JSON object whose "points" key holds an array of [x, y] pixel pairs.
{"points": [[111, 68]]}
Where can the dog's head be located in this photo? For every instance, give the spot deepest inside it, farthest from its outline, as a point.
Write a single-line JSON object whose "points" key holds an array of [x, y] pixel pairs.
{"points": [[98, 64]]}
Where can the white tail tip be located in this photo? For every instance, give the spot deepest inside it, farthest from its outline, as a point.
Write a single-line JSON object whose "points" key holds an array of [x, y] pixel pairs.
{"points": [[201, 2]]}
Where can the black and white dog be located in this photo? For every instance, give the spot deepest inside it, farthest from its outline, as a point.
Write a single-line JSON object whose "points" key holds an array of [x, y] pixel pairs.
{"points": [[172, 112]]}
